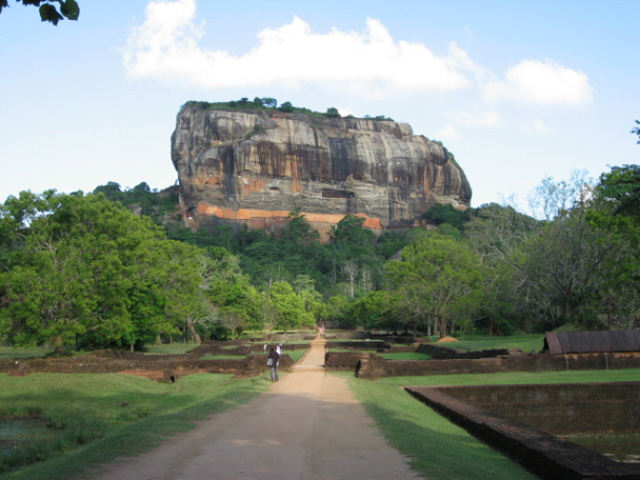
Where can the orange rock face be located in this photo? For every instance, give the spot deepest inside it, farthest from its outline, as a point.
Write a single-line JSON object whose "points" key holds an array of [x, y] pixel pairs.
{"points": [[254, 168]]}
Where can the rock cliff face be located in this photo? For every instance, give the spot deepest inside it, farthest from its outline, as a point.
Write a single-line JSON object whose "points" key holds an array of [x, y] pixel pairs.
{"points": [[256, 167]]}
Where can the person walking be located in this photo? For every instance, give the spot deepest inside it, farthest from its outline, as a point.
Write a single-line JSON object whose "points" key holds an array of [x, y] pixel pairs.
{"points": [[272, 362]]}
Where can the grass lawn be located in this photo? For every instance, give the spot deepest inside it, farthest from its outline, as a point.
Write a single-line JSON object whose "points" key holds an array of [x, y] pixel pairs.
{"points": [[526, 343], [294, 354], [170, 348], [510, 378], [354, 340], [354, 350], [99, 417], [405, 356], [23, 352], [222, 357], [438, 449]]}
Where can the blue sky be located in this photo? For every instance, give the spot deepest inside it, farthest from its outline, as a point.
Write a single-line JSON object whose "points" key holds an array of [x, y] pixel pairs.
{"points": [[516, 90]]}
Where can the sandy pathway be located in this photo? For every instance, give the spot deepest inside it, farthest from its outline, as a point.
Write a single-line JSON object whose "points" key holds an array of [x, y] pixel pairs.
{"points": [[308, 426]]}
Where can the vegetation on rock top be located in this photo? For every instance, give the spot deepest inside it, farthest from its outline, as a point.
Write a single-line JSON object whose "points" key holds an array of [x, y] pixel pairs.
{"points": [[268, 103]]}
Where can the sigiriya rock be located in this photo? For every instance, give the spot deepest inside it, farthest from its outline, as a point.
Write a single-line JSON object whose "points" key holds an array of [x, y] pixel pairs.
{"points": [[254, 167]]}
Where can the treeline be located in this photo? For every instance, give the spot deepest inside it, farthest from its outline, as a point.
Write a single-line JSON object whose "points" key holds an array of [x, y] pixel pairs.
{"points": [[268, 103], [84, 270]]}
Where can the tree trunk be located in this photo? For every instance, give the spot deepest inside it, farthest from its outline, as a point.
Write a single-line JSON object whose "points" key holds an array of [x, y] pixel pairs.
{"points": [[442, 326], [192, 330], [158, 340]]}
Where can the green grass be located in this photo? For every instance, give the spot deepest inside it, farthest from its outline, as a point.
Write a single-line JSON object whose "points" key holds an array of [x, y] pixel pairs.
{"points": [[352, 350], [24, 352], [294, 354], [508, 378], [170, 348], [355, 340], [91, 424], [405, 356], [526, 343], [438, 449], [223, 357]]}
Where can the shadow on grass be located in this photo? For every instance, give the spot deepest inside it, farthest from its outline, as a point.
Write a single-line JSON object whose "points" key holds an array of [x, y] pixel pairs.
{"points": [[137, 418], [437, 448]]}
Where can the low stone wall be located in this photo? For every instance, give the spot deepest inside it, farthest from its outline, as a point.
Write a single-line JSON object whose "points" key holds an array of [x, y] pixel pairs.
{"points": [[561, 409], [400, 339], [341, 361], [346, 334], [444, 353], [229, 348], [543, 454], [362, 345], [511, 363], [287, 337], [144, 365]]}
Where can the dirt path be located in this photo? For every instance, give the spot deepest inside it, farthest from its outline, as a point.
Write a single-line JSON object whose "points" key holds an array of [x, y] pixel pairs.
{"points": [[308, 426]]}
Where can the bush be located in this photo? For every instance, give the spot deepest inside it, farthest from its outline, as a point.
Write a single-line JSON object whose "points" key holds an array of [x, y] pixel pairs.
{"points": [[332, 112], [286, 107]]}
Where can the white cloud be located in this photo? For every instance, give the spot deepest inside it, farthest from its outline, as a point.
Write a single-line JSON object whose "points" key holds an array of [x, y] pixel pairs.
{"points": [[542, 82], [166, 47]]}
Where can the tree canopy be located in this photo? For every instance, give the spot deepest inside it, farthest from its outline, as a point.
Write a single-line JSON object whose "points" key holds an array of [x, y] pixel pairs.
{"points": [[49, 12], [86, 271], [113, 269]]}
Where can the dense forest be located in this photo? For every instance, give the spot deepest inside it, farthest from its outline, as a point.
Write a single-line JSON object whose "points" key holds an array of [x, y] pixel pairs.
{"points": [[116, 268]]}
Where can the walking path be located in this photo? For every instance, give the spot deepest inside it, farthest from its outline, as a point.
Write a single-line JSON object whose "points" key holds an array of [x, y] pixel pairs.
{"points": [[308, 426]]}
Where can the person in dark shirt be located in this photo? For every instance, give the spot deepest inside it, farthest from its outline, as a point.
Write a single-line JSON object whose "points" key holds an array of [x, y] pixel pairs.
{"points": [[272, 362]]}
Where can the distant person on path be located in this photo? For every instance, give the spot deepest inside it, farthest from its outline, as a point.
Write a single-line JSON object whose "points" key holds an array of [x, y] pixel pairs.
{"points": [[272, 362], [279, 348], [264, 349]]}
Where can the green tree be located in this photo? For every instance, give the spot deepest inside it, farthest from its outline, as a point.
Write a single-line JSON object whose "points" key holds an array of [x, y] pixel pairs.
{"points": [[437, 282], [636, 130], [338, 312], [351, 249], [332, 112], [290, 307], [439, 214], [563, 268], [616, 208], [298, 231], [552, 198], [372, 311], [269, 102], [619, 192], [88, 272], [351, 231], [69, 9], [286, 107], [70, 275]]}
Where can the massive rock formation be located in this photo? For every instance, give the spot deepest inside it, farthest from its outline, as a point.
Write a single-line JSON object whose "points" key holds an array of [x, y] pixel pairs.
{"points": [[255, 167]]}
